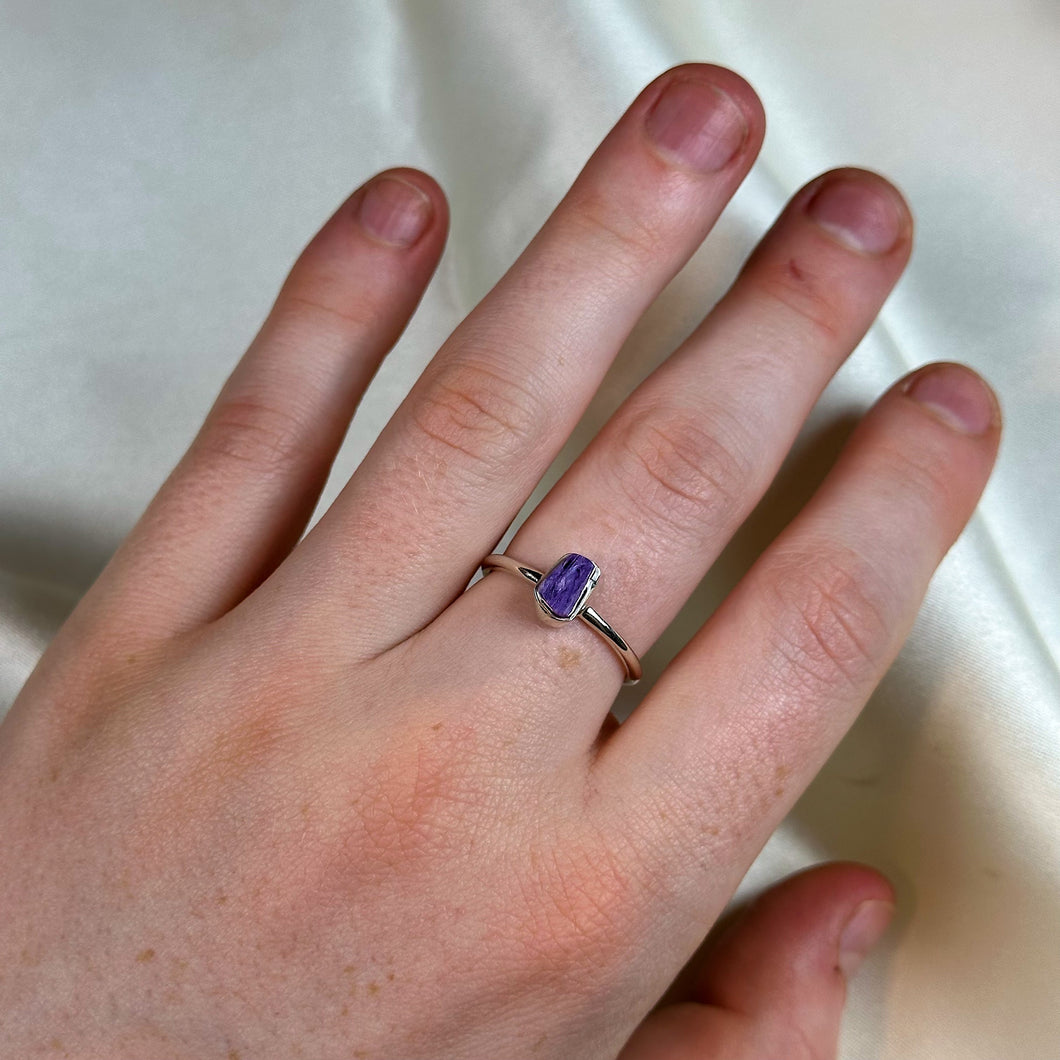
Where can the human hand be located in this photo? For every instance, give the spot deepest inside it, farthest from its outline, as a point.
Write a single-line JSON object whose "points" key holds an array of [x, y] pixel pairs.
{"points": [[269, 798]]}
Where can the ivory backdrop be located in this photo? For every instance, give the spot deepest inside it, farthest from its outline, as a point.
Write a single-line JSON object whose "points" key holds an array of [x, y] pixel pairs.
{"points": [[163, 163]]}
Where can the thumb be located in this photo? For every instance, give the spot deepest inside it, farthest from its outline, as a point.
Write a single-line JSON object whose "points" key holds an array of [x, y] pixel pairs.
{"points": [[773, 983]]}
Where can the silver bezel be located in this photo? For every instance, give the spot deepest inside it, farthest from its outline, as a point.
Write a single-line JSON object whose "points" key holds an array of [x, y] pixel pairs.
{"points": [[582, 602], [589, 615]]}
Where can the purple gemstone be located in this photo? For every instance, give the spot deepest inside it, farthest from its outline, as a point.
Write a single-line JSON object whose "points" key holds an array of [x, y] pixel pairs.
{"points": [[563, 586]]}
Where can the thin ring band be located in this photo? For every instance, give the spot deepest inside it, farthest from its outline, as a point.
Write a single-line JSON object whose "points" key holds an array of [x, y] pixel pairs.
{"points": [[627, 656]]}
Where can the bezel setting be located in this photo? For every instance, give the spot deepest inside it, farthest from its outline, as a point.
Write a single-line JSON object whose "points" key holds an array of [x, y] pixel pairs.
{"points": [[581, 601]]}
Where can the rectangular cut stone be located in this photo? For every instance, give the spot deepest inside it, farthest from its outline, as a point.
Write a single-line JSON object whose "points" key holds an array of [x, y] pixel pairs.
{"points": [[562, 586]]}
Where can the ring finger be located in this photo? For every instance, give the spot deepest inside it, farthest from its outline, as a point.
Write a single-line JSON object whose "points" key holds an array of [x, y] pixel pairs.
{"points": [[659, 492]]}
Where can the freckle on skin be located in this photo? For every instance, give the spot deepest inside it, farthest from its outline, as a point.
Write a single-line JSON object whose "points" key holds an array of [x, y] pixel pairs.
{"points": [[436, 727], [373, 988], [349, 969], [781, 773], [389, 977], [569, 658], [145, 955]]}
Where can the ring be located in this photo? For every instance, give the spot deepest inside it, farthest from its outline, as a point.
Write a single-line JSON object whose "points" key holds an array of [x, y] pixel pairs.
{"points": [[562, 595]]}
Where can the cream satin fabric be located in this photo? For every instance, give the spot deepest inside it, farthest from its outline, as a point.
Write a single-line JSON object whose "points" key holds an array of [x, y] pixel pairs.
{"points": [[163, 163]]}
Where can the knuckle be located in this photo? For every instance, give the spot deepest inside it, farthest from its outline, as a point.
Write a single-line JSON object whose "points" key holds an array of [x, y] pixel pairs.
{"points": [[478, 416], [627, 238], [829, 621], [919, 478], [794, 286], [254, 432], [679, 471], [310, 308]]}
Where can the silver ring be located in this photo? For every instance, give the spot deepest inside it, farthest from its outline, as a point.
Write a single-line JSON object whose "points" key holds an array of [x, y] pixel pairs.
{"points": [[562, 595]]}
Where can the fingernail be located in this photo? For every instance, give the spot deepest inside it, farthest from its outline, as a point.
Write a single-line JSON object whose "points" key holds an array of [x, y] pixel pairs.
{"points": [[860, 215], [697, 123], [862, 932], [957, 396], [394, 211]]}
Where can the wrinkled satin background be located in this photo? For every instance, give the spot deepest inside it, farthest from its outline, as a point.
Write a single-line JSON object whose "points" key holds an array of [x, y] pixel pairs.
{"points": [[163, 163]]}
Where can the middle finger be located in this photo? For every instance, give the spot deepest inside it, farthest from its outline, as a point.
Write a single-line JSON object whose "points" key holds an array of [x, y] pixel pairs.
{"points": [[465, 449]]}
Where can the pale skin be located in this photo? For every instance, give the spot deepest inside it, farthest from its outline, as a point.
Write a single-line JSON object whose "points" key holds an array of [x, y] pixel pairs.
{"points": [[272, 796]]}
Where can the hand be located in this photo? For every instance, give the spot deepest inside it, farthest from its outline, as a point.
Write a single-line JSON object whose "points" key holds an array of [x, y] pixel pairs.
{"points": [[267, 798]]}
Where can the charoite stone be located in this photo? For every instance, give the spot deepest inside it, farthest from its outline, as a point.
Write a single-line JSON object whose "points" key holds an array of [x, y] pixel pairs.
{"points": [[562, 587]]}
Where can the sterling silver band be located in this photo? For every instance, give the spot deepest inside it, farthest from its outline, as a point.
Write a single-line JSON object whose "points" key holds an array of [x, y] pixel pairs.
{"points": [[628, 657]]}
